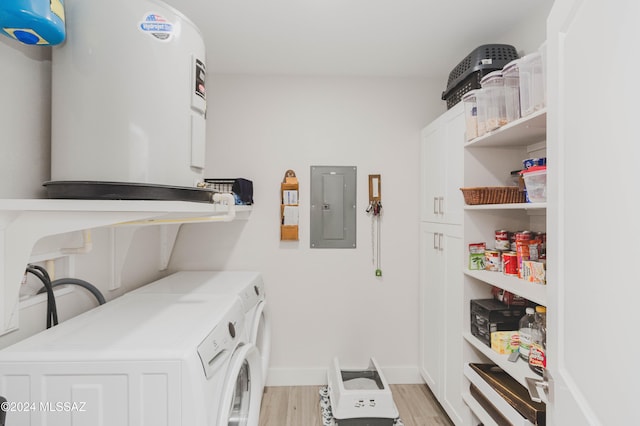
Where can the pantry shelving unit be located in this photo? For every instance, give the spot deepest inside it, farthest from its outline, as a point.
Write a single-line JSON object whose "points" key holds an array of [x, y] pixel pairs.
{"points": [[23, 222], [489, 161]]}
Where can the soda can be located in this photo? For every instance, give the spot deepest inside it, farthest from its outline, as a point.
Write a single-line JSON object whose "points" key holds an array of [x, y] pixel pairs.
{"points": [[510, 263]]}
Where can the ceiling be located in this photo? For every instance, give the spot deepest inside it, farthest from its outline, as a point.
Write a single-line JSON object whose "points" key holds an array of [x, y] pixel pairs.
{"points": [[349, 37]]}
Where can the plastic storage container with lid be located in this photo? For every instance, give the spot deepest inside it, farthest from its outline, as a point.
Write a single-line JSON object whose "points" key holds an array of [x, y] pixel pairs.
{"points": [[482, 99], [531, 84], [471, 114], [511, 76], [535, 180], [493, 84]]}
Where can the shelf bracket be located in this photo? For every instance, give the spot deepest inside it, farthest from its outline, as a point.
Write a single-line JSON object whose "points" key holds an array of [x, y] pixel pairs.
{"points": [[168, 236], [120, 239]]}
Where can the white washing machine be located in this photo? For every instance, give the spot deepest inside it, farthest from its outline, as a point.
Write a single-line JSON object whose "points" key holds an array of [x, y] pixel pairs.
{"points": [[248, 285], [144, 359]]}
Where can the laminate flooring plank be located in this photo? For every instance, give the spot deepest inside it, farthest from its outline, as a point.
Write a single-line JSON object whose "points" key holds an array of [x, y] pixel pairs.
{"points": [[304, 406], [300, 406], [418, 407], [275, 406]]}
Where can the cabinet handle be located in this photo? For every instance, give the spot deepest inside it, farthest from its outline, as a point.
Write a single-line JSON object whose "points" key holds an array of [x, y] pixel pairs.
{"points": [[441, 205], [435, 205], [535, 386], [440, 242], [435, 240]]}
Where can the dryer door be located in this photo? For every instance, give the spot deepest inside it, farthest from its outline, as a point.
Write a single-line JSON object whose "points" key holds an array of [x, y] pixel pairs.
{"points": [[242, 390], [260, 335]]}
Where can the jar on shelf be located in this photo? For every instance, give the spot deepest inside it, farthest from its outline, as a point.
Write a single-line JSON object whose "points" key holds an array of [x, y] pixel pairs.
{"points": [[511, 76], [482, 100], [531, 84], [471, 114], [493, 84], [525, 330], [537, 351]]}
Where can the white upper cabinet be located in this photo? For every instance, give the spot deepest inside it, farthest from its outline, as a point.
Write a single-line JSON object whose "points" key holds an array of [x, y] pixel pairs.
{"points": [[441, 168]]}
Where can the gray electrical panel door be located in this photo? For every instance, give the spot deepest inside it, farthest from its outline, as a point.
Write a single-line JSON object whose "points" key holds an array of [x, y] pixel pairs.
{"points": [[333, 207]]}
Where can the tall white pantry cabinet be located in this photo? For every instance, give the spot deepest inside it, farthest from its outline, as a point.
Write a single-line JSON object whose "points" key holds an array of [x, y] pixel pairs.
{"points": [[441, 261], [590, 135]]}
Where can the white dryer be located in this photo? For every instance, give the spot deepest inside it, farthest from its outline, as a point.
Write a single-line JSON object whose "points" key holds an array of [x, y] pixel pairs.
{"points": [[248, 285], [144, 359]]}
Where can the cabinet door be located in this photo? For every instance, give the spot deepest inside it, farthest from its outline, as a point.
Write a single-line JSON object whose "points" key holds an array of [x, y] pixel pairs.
{"points": [[441, 315], [452, 207], [432, 170], [593, 221], [442, 156], [431, 307], [452, 307]]}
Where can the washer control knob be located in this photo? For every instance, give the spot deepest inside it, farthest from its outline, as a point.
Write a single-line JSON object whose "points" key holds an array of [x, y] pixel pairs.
{"points": [[232, 330]]}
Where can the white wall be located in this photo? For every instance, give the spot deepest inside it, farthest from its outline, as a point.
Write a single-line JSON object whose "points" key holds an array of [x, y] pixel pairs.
{"points": [[323, 302]]}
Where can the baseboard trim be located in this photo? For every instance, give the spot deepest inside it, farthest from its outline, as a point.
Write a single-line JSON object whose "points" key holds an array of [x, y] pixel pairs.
{"points": [[318, 376]]}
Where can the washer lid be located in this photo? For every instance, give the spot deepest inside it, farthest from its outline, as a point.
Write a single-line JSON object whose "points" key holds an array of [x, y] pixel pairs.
{"points": [[134, 326], [248, 285]]}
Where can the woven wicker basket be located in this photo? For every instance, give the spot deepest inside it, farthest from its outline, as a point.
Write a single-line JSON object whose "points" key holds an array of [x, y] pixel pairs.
{"points": [[493, 195]]}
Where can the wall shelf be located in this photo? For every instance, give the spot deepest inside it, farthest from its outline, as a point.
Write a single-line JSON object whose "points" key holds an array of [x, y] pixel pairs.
{"points": [[23, 222], [532, 291], [519, 370], [522, 132]]}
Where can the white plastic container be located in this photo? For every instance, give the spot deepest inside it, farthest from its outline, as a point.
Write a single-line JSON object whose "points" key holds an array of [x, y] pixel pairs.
{"points": [[531, 84], [493, 84], [482, 100], [511, 76], [471, 114], [128, 95], [543, 57], [535, 180]]}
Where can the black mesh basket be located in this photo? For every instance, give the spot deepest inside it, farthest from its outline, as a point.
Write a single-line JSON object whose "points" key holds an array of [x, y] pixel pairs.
{"points": [[481, 61]]}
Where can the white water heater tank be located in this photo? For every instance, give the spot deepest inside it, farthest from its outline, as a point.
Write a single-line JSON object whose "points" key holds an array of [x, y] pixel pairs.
{"points": [[128, 95]]}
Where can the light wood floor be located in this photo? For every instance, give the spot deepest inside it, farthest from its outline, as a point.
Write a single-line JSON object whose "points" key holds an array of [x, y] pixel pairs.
{"points": [[300, 406]]}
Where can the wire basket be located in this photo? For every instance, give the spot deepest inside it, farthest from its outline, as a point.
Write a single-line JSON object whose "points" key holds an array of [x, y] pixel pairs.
{"points": [[493, 195], [219, 185], [481, 61]]}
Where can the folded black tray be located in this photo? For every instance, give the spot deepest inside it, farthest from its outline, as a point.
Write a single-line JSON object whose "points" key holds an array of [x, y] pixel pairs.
{"points": [[99, 190]]}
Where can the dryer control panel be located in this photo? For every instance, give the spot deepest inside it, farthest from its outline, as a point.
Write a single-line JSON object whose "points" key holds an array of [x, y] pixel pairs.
{"points": [[219, 345]]}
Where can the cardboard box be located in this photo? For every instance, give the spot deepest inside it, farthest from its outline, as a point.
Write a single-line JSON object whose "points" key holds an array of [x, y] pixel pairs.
{"points": [[505, 342]]}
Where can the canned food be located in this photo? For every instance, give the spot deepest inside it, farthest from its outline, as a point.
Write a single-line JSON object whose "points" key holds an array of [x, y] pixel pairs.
{"points": [[542, 248], [492, 261], [519, 236], [522, 253], [502, 240], [510, 263], [531, 162]]}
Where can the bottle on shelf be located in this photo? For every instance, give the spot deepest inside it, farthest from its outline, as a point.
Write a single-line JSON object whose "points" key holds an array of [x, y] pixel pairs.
{"points": [[525, 331], [537, 351]]}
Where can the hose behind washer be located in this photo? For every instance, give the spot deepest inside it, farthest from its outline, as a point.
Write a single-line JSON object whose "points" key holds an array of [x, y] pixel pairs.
{"points": [[81, 283]]}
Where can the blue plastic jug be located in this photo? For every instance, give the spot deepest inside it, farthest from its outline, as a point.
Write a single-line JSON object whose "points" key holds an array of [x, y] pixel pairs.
{"points": [[35, 22]]}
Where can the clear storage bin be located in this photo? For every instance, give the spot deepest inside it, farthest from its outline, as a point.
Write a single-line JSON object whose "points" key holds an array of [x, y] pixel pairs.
{"points": [[481, 111], [535, 180], [511, 76], [471, 114], [531, 84], [493, 84], [543, 57]]}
